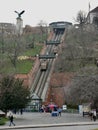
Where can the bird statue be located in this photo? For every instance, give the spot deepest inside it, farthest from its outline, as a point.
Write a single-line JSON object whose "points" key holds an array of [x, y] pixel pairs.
{"points": [[19, 14]]}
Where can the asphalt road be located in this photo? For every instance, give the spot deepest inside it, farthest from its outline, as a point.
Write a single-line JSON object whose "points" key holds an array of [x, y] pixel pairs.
{"points": [[87, 127], [36, 119], [29, 118]]}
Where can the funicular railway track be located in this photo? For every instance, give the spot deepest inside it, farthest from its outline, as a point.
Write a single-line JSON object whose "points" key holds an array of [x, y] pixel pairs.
{"points": [[41, 76], [45, 74], [40, 83], [38, 74]]}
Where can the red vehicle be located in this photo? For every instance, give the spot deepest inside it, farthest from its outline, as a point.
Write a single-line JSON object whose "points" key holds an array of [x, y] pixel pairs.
{"points": [[51, 107]]}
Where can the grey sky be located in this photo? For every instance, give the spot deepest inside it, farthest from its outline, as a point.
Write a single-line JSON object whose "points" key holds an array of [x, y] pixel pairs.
{"points": [[46, 10]]}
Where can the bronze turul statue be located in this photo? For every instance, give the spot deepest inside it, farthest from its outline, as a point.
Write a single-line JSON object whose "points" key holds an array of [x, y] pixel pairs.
{"points": [[19, 14]]}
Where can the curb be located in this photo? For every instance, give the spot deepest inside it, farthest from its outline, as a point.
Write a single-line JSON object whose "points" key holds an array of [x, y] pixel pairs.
{"points": [[49, 125]]}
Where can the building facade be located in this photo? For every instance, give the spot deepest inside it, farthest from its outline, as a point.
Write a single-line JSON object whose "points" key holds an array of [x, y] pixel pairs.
{"points": [[92, 17]]}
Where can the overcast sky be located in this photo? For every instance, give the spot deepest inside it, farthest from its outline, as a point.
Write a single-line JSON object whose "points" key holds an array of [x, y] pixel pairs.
{"points": [[46, 10]]}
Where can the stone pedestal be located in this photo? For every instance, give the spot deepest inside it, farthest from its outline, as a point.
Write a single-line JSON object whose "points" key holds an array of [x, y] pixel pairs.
{"points": [[19, 26]]}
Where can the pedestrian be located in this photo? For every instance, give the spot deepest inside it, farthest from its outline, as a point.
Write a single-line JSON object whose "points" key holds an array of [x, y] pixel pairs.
{"points": [[41, 109], [11, 120], [21, 111], [94, 115], [59, 111], [91, 114]]}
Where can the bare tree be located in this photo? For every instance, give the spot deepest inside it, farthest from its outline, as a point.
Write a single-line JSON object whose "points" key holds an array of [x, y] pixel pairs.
{"points": [[78, 50], [83, 89], [43, 27], [16, 45], [81, 17]]}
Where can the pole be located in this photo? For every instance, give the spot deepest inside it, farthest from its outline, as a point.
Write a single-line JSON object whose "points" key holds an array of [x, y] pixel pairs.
{"points": [[89, 12]]}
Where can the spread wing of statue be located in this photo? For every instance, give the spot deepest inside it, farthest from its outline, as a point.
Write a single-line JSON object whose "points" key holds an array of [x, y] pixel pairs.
{"points": [[19, 14]]}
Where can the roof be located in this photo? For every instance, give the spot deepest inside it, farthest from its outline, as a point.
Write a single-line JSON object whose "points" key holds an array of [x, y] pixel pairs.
{"points": [[34, 96], [94, 10], [1, 112]]}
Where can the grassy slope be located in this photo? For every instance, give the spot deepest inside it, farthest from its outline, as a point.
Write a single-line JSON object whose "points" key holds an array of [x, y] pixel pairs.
{"points": [[23, 66]]}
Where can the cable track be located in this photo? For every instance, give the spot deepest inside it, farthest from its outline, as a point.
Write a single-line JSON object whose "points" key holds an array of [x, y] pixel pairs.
{"points": [[38, 85]]}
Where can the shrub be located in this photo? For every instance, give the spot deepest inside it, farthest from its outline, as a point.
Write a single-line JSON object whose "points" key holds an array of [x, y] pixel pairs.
{"points": [[3, 121]]}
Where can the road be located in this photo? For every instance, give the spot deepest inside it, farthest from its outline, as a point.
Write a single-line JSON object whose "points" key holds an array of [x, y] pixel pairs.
{"points": [[46, 118], [87, 127], [37, 119]]}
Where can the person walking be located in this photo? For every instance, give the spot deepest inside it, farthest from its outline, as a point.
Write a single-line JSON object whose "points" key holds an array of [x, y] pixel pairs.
{"points": [[94, 115], [11, 120], [21, 111], [59, 111], [91, 114]]}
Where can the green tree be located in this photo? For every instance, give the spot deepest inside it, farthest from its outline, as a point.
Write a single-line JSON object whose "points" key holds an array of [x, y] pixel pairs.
{"points": [[13, 94]]}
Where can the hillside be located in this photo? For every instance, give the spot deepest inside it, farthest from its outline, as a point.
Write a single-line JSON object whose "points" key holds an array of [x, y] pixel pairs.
{"points": [[76, 60]]}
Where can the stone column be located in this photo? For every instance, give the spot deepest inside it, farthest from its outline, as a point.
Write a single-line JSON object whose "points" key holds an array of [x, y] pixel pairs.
{"points": [[19, 26]]}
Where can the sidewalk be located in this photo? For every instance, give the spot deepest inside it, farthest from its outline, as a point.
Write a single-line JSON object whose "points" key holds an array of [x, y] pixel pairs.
{"points": [[34, 120]]}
